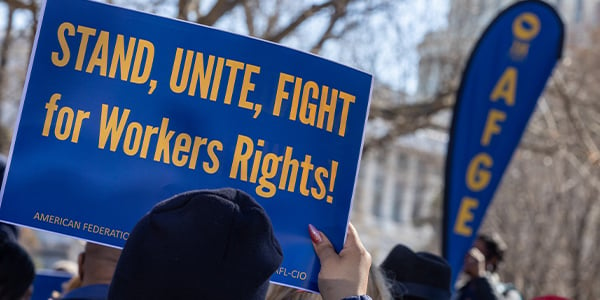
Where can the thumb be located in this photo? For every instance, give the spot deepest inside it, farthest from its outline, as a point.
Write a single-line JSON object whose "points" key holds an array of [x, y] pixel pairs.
{"points": [[352, 239], [321, 243]]}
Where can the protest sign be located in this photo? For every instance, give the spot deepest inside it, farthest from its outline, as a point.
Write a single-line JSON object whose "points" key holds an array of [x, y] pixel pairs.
{"points": [[48, 283], [123, 109], [504, 77]]}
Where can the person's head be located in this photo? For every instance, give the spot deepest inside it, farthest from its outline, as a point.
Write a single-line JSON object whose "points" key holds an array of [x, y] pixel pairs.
{"points": [[417, 275], [16, 271], [9, 232], [493, 248], [97, 264], [209, 244]]}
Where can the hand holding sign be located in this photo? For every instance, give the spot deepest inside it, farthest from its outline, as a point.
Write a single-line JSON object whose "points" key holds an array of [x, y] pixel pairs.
{"points": [[345, 274]]}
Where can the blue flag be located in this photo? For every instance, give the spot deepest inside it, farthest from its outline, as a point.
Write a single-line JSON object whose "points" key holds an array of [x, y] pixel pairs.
{"points": [[506, 73], [123, 109]]}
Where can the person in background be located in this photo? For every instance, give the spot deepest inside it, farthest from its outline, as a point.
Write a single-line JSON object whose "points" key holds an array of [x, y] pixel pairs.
{"points": [[16, 271], [480, 270], [9, 232], [417, 275], [97, 265], [74, 282]]}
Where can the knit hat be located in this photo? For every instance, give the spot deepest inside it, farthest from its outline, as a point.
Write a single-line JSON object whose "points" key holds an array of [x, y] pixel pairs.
{"points": [[16, 270], [420, 274], [204, 244]]}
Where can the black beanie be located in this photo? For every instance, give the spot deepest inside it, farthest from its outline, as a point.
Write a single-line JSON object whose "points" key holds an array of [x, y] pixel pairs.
{"points": [[421, 274], [16, 270], [205, 244]]}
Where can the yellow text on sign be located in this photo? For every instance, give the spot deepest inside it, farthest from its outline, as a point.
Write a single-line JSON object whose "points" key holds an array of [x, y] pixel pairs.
{"points": [[132, 57], [312, 104]]}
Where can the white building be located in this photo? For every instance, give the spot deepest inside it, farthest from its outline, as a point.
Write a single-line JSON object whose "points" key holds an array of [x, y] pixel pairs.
{"points": [[396, 195]]}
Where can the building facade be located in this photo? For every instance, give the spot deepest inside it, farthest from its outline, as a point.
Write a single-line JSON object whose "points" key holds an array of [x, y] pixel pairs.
{"points": [[398, 193]]}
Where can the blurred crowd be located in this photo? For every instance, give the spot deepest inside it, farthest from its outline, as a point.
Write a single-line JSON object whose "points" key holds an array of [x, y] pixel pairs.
{"points": [[219, 244]]}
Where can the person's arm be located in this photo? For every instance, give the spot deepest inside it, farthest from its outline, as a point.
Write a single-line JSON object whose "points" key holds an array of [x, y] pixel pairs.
{"points": [[474, 264], [344, 275], [479, 287]]}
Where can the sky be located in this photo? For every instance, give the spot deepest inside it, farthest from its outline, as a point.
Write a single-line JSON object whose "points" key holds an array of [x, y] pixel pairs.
{"points": [[416, 17]]}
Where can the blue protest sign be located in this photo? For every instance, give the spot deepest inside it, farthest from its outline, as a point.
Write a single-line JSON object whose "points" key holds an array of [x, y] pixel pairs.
{"points": [[48, 283], [504, 77], [123, 109]]}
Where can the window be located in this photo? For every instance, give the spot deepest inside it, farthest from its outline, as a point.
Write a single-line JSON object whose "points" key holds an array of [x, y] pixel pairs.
{"points": [[579, 11], [419, 200], [378, 184], [398, 200], [402, 161], [378, 197]]}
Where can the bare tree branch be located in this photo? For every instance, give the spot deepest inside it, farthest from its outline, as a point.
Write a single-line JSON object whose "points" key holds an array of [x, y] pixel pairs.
{"points": [[340, 10], [183, 7], [6, 42], [249, 13], [575, 120], [17, 4], [407, 118], [273, 19], [299, 20], [218, 10]]}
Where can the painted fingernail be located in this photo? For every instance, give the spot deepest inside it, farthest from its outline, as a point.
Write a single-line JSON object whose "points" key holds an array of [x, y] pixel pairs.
{"points": [[315, 235]]}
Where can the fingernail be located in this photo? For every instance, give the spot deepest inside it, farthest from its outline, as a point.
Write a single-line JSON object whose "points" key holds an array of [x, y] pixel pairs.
{"points": [[315, 235]]}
